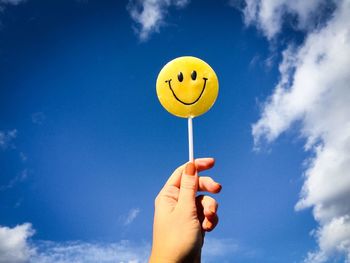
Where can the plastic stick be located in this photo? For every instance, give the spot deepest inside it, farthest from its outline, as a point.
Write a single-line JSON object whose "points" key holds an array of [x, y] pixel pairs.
{"points": [[190, 140]]}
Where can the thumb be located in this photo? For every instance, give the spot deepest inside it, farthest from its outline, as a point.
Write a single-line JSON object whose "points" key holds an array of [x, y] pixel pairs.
{"points": [[189, 185]]}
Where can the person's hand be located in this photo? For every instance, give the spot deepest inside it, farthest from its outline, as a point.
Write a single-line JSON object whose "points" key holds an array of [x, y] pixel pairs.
{"points": [[181, 219]]}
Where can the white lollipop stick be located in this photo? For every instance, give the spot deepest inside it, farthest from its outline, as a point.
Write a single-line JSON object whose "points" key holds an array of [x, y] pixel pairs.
{"points": [[190, 140]]}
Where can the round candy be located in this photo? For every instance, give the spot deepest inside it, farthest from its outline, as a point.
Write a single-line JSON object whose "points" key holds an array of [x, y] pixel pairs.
{"points": [[187, 87]]}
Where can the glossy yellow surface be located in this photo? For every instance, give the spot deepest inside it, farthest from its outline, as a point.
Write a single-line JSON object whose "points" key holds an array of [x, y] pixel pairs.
{"points": [[187, 87]]}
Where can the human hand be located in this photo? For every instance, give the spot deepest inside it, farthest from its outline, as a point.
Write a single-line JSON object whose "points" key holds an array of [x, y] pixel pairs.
{"points": [[181, 219]]}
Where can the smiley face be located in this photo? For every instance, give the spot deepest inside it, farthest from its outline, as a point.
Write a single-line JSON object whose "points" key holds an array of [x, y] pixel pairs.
{"points": [[187, 87]]}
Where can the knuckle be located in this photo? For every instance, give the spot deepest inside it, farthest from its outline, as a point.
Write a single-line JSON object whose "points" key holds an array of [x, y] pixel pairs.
{"points": [[209, 200], [208, 179], [179, 169], [168, 192], [189, 185]]}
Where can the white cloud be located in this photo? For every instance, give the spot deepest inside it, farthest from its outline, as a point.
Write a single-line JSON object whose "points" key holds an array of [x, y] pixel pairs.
{"points": [[133, 213], [83, 252], [314, 90], [149, 14], [13, 244], [269, 15], [15, 247], [337, 231], [6, 138]]}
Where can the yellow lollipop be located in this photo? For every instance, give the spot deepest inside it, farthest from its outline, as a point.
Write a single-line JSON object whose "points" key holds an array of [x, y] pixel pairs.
{"points": [[187, 87]]}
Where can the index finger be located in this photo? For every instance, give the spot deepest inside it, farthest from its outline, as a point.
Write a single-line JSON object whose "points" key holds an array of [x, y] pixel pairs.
{"points": [[202, 164]]}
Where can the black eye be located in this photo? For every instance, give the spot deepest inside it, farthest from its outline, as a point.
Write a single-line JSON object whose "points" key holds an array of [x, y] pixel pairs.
{"points": [[194, 75], [180, 77]]}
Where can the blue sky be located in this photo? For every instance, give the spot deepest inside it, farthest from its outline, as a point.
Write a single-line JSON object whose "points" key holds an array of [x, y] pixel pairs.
{"points": [[85, 146]]}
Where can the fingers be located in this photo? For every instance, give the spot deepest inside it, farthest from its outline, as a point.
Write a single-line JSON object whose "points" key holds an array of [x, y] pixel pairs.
{"points": [[171, 189], [201, 165], [207, 184], [188, 186], [209, 205], [207, 208], [209, 225], [204, 163]]}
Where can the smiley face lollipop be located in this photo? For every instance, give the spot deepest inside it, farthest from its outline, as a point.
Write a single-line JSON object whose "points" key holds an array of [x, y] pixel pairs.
{"points": [[187, 87]]}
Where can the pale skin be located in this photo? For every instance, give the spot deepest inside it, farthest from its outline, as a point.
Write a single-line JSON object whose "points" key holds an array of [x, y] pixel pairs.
{"points": [[181, 217]]}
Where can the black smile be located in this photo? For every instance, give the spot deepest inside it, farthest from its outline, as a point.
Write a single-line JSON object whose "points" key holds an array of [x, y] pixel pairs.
{"points": [[187, 103]]}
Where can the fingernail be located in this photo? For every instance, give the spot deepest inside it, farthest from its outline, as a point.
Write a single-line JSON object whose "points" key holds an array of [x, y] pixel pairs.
{"points": [[190, 169], [219, 186], [208, 225], [216, 186]]}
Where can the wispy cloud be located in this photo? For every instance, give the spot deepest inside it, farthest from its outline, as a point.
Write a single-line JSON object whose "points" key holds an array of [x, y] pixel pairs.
{"points": [[227, 250], [82, 252], [16, 180], [149, 14], [7, 142], [23, 157], [265, 63], [215, 249], [314, 90], [16, 247], [3, 3], [6, 138], [38, 117], [12, 2], [131, 216]]}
